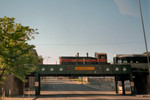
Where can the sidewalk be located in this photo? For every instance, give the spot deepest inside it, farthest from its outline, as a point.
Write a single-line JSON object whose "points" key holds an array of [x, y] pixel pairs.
{"points": [[20, 98], [142, 95]]}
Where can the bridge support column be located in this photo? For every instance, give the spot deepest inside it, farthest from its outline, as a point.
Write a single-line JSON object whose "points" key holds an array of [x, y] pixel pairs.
{"points": [[123, 86], [132, 85], [148, 84], [37, 84], [116, 84]]}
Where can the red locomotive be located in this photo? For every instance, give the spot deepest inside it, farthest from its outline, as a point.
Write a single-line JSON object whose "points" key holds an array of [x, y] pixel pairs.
{"points": [[100, 58]]}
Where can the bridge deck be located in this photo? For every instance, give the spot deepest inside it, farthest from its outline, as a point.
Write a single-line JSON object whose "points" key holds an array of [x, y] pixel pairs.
{"points": [[90, 70]]}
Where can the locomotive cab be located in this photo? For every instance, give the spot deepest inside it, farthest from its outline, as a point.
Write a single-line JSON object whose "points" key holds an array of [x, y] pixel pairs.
{"points": [[102, 57]]}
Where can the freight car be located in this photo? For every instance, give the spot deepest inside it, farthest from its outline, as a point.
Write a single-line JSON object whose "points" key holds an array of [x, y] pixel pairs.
{"points": [[100, 58]]}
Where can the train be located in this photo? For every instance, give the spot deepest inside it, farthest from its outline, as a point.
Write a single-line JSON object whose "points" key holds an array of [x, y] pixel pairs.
{"points": [[100, 58]]}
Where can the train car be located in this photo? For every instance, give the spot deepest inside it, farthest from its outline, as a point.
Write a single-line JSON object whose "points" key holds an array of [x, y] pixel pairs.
{"points": [[100, 58]]}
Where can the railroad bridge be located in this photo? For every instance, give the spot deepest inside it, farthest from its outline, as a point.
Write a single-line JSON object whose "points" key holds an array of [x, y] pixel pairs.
{"points": [[135, 73]]}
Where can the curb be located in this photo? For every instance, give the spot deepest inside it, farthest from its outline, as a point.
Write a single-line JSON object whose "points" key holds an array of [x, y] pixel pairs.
{"points": [[141, 96]]}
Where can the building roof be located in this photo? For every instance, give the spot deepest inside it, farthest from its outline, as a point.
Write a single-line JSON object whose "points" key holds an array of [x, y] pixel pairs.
{"points": [[129, 55]]}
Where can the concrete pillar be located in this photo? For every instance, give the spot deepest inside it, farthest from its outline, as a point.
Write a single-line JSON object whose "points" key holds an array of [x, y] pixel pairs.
{"points": [[123, 86], [148, 83], [37, 84], [132, 85], [116, 84]]}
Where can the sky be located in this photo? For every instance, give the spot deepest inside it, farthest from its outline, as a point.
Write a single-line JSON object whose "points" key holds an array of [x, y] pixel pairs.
{"points": [[69, 26]]}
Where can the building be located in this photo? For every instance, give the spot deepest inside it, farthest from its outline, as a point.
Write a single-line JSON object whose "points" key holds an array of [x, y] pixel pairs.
{"points": [[129, 58]]}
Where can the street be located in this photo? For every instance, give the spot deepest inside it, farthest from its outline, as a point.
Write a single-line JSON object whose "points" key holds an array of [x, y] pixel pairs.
{"points": [[63, 84]]}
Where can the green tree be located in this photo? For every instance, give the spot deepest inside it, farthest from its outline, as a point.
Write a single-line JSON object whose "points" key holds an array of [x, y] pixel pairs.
{"points": [[17, 57], [40, 59]]}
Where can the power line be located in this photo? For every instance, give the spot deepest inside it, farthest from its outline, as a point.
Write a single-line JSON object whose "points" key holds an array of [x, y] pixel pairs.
{"points": [[108, 43]]}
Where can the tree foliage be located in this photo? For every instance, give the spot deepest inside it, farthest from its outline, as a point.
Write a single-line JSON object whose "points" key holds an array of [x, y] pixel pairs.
{"points": [[17, 57]]}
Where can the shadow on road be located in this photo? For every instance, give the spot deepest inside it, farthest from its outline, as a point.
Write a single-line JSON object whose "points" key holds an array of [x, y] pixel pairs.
{"points": [[67, 87], [78, 95], [53, 96]]}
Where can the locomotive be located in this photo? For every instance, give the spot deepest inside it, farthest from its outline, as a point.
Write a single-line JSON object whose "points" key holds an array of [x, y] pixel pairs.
{"points": [[100, 58]]}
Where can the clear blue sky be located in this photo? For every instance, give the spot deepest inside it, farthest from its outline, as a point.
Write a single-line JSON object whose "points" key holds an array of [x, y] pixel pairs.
{"points": [[69, 26]]}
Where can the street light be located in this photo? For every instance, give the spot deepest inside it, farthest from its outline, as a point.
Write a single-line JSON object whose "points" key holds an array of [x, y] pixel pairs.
{"points": [[47, 58]]}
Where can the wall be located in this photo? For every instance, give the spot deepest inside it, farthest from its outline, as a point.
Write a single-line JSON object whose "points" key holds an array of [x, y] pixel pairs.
{"points": [[12, 84]]}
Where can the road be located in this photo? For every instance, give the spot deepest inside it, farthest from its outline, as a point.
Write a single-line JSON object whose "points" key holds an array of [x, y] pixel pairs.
{"points": [[63, 84]]}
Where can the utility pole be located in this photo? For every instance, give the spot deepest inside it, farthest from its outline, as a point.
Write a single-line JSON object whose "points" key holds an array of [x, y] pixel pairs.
{"points": [[146, 47], [148, 77]]}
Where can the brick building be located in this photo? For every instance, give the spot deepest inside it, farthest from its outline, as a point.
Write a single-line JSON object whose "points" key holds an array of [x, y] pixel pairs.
{"points": [[12, 86]]}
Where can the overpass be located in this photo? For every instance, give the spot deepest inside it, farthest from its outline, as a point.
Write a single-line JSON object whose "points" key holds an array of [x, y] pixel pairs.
{"points": [[134, 72]]}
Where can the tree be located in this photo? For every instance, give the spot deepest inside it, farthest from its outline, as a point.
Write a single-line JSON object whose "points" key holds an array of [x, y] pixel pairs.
{"points": [[17, 57], [40, 59]]}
